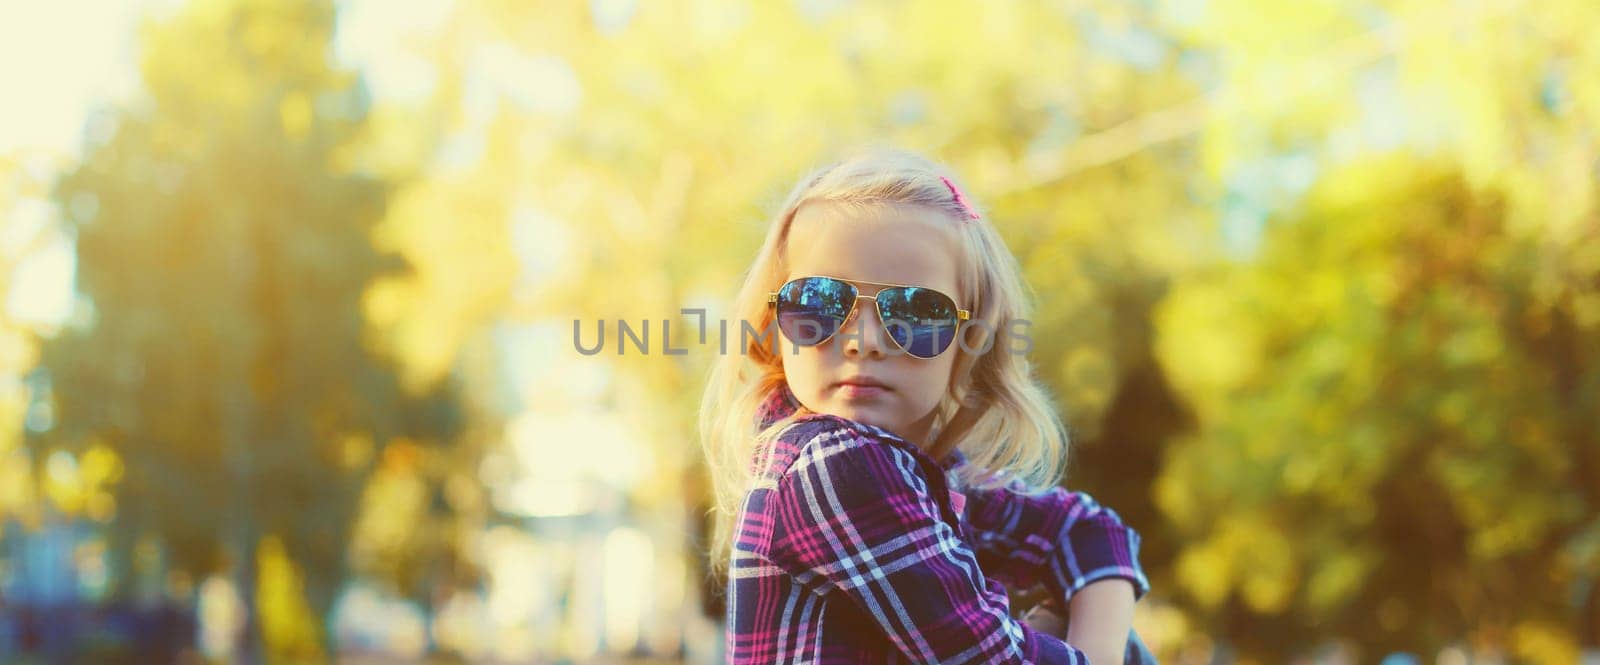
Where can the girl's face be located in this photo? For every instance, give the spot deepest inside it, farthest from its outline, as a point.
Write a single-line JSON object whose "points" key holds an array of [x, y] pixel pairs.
{"points": [[906, 245]]}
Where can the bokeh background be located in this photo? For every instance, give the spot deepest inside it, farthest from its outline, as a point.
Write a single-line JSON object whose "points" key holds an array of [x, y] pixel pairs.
{"points": [[290, 288]]}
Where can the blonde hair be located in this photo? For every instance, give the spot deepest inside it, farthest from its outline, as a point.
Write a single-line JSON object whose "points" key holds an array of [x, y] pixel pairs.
{"points": [[994, 411]]}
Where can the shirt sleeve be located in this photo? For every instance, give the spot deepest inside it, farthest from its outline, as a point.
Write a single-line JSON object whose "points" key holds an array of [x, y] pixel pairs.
{"points": [[855, 517], [1062, 539]]}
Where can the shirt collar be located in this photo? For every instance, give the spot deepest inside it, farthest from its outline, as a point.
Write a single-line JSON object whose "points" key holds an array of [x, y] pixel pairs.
{"points": [[781, 402]]}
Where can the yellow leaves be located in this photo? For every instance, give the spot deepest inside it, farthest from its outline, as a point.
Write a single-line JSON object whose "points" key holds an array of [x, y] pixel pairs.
{"points": [[1284, 70], [1586, 309], [170, 70], [1299, 475], [1242, 555], [403, 456], [1343, 192], [1179, 487], [392, 505], [277, 33], [62, 484], [1503, 520], [391, 147], [1473, 344], [101, 467], [82, 484], [288, 627], [1518, 526], [1090, 379], [1453, 407], [1204, 572], [16, 486], [355, 450], [17, 350], [1379, 285], [1335, 577], [1264, 31], [253, 53], [1206, 343], [1162, 626], [296, 114], [712, 23], [1542, 641], [384, 303], [457, 238], [1271, 584]]}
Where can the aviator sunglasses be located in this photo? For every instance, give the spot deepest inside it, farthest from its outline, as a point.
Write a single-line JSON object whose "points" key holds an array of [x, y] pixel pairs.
{"points": [[921, 321]]}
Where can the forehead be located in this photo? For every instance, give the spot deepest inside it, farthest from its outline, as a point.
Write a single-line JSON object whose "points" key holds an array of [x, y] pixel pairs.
{"points": [[889, 244]]}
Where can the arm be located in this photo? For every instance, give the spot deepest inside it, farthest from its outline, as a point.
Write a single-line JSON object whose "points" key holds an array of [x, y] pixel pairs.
{"points": [[1081, 551], [856, 517], [1108, 583], [1102, 618], [1062, 539], [1105, 614]]}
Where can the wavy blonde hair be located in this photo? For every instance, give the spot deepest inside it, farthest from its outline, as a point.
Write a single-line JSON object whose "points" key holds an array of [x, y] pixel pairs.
{"points": [[994, 411]]}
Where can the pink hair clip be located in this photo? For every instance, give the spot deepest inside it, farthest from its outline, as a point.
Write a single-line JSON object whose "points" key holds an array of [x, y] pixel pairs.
{"points": [[961, 200]]}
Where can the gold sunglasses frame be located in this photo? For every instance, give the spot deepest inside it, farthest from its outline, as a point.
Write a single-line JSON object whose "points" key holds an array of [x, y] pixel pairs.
{"points": [[961, 314]]}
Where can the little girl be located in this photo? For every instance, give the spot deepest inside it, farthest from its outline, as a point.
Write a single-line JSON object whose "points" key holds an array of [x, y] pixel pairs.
{"points": [[885, 467]]}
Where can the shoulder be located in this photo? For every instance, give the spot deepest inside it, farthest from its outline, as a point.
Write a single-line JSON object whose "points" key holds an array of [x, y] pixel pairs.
{"points": [[827, 430], [846, 453], [854, 483], [822, 433]]}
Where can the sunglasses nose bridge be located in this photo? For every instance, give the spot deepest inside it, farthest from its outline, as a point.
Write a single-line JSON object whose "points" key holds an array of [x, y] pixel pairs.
{"points": [[855, 309]]}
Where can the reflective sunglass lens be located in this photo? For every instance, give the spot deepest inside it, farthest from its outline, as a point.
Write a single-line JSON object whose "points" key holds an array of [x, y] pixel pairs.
{"points": [[811, 309], [922, 321]]}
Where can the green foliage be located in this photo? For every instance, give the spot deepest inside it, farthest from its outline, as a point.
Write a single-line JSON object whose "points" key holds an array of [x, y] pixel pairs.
{"points": [[1396, 417], [225, 249]]}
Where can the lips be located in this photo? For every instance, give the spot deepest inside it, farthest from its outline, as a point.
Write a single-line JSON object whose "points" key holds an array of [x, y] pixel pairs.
{"points": [[862, 381]]}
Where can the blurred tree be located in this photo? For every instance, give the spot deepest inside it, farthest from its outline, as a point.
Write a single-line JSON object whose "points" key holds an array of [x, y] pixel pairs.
{"points": [[1390, 388], [419, 513], [1397, 440], [23, 197], [224, 242]]}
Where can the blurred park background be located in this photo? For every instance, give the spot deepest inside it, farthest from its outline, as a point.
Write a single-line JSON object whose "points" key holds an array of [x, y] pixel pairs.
{"points": [[287, 370]]}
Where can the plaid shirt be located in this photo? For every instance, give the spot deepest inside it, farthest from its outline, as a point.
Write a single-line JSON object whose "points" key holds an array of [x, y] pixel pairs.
{"points": [[856, 547]]}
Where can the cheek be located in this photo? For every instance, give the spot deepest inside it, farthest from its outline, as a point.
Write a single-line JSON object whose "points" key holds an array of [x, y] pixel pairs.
{"points": [[931, 380], [804, 371]]}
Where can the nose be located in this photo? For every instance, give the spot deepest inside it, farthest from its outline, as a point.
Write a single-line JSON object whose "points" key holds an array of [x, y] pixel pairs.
{"points": [[868, 335]]}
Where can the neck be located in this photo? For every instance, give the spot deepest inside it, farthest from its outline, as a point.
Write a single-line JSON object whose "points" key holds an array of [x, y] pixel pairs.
{"points": [[918, 432]]}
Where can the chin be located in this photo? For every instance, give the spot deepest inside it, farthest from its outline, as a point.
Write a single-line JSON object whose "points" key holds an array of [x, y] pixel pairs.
{"points": [[867, 415]]}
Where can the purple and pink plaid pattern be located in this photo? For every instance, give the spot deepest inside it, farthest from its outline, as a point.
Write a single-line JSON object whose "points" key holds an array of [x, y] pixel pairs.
{"points": [[851, 548]]}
